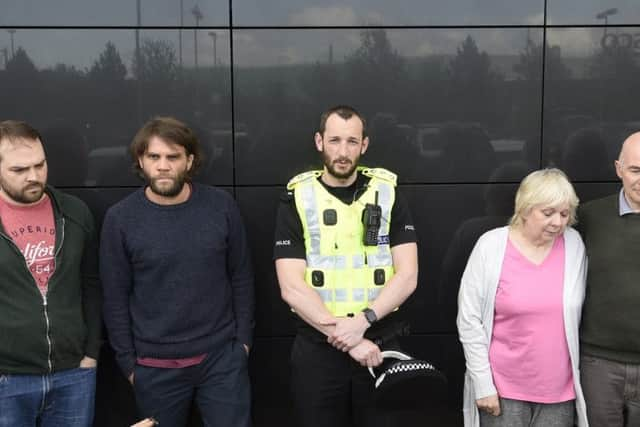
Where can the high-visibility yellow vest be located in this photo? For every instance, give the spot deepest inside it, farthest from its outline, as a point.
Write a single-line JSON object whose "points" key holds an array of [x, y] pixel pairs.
{"points": [[347, 275]]}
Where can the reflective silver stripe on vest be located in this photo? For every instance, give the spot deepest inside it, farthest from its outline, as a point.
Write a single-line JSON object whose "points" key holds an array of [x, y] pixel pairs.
{"points": [[358, 294], [342, 295], [384, 200], [383, 256], [336, 262], [374, 292], [357, 261], [311, 215], [325, 294], [381, 259], [314, 259]]}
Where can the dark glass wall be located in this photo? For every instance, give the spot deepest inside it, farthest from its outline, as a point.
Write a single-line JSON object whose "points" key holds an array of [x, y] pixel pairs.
{"points": [[463, 99]]}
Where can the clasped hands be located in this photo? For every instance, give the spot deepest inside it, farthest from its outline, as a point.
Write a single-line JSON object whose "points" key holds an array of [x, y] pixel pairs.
{"points": [[348, 336]]}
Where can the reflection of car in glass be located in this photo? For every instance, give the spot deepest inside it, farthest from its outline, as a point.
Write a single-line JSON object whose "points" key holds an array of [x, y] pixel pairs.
{"points": [[460, 150], [428, 140], [433, 138], [110, 166], [614, 133], [216, 141]]}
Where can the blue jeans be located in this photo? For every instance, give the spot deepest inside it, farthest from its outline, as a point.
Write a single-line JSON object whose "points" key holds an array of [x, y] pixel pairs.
{"points": [[61, 399], [219, 385]]}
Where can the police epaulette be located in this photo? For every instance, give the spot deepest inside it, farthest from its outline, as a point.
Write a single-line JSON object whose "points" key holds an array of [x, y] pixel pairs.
{"points": [[302, 177], [382, 174]]}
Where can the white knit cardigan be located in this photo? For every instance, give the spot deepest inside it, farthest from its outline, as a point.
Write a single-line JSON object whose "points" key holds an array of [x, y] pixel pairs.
{"points": [[476, 304]]}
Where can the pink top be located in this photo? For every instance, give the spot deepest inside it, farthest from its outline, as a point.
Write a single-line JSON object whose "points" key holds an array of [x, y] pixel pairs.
{"points": [[528, 354], [32, 229]]}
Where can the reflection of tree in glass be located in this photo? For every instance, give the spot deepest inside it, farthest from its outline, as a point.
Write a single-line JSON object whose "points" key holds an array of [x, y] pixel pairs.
{"points": [[21, 65], [20, 83], [530, 65], [470, 65], [529, 72], [376, 80], [107, 82], [156, 69], [157, 61], [615, 71], [109, 66], [323, 84], [375, 72], [615, 62], [473, 84], [376, 51]]}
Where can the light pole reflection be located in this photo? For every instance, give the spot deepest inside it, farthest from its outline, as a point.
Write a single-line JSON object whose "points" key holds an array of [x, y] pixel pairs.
{"points": [[214, 37], [197, 14], [5, 53], [605, 14], [180, 32], [11, 32]]}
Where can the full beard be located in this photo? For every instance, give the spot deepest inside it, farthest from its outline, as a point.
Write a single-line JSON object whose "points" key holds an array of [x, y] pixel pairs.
{"points": [[24, 195], [331, 169], [166, 191]]}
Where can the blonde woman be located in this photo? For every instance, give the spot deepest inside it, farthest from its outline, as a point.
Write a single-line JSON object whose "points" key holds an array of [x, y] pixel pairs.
{"points": [[519, 310]]}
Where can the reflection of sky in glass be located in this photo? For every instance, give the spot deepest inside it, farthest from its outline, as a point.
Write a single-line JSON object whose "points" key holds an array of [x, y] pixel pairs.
{"points": [[316, 13], [80, 48], [579, 45], [112, 12], [281, 47], [583, 12], [384, 12], [255, 48]]}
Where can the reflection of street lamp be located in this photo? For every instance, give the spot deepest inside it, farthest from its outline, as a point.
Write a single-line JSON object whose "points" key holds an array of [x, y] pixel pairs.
{"points": [[180, 32], [137, 36], [214, 37], [5, 53], [605, 14], [11, 31], [197, 14], [138, 70]]}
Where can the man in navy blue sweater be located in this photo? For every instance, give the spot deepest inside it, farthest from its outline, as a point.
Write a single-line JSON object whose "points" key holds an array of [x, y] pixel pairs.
{"points": [[178, 286]]}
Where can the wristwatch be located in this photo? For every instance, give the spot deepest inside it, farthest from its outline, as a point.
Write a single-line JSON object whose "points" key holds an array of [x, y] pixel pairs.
{"points": [[370, 315]]}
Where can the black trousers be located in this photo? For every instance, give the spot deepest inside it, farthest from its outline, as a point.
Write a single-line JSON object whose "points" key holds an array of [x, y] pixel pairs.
{"points": [[330, 389], [219, 385]]}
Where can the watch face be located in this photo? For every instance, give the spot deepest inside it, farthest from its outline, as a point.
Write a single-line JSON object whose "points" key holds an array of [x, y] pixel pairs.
{"points": [[370, 315]]}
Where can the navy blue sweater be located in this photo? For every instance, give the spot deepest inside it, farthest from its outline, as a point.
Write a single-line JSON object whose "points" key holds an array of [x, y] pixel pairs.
{"points": [[177, 279]]}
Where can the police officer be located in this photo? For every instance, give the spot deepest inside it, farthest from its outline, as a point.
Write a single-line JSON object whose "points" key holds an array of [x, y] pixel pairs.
{"points": [[346, 259]]}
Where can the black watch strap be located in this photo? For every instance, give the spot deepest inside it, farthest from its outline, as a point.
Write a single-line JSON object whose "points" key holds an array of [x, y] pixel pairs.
{"points": [[370, 315]]}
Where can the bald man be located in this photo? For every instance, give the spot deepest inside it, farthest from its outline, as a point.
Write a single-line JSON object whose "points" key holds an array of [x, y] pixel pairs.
{"points": [[610, 330]]}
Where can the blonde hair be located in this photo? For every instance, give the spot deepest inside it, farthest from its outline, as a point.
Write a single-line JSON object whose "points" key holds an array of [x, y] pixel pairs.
{"points": [[547, 187]]}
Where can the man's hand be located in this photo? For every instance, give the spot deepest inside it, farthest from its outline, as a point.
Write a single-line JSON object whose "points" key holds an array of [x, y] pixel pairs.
{"points": [[88, 362], [349, 332], [489, 404], [366, 353], [130, 378], [246, 348]]}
